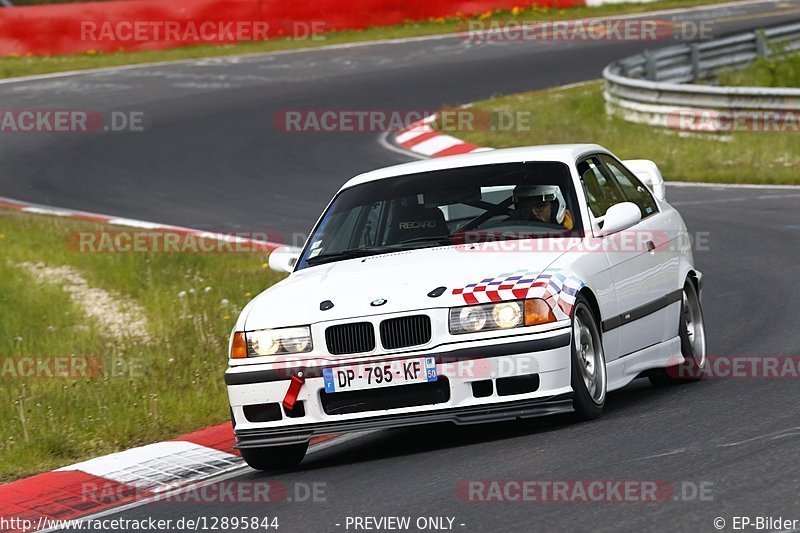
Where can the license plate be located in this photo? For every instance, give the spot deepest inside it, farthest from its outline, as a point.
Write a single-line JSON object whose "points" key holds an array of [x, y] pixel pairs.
{"points": [[379, 374]]}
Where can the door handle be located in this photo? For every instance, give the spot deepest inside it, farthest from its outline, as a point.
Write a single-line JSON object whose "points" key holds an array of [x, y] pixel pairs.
{"points": [[650, 246]]}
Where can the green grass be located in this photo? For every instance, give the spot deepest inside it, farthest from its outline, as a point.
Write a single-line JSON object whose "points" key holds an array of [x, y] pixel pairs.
{"points": [[780, 70], [578, 114], [30, 65], [158, 389]]}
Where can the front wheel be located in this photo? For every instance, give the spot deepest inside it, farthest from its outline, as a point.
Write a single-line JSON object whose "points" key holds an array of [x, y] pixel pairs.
{"points": [[589, 381], [275, 457], [692, 332]]}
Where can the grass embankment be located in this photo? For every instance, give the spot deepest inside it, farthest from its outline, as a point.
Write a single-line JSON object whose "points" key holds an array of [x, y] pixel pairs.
{"points": [[144, 387], [780, 70], [578, 114], [26, 66]]}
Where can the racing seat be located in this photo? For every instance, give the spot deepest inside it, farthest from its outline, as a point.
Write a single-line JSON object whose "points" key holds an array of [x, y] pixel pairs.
{"points": [[417, 222]]}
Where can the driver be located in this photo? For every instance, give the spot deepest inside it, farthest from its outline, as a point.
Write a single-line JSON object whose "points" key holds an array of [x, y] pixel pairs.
{"points": [[543, 203]]}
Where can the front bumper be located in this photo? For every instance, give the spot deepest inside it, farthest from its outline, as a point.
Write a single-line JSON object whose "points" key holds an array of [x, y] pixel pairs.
{"points": [[545, 356], [254, 438]]}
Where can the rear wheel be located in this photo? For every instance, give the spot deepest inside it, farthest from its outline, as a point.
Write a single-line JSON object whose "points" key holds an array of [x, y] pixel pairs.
{"points": [[589, 381], [692, 332], [274, 457]]}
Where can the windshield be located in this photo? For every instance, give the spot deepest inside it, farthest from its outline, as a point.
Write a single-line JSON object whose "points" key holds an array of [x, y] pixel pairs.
{"points": [[453, 206]]}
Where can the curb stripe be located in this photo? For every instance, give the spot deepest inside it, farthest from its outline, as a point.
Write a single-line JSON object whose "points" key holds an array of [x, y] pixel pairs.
{"points": [[436, 144], [412, 133], [463, 148], [420, 138], [62, 496], [217, 437], [119, 479]]}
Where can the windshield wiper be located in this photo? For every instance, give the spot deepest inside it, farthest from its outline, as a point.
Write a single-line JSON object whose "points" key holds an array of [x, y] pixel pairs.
{"points": [[364, 252], [443, 239], [345, 254], [352, 253]]}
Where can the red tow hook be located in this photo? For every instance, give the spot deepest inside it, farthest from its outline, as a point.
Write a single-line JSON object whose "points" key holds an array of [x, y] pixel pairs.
{"points": [[294, 389]]}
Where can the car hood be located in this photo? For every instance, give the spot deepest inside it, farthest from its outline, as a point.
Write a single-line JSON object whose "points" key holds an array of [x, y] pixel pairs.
{"points": [[403, 279]]}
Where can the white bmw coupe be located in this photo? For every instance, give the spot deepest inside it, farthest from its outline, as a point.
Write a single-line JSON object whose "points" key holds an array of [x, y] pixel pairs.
{"points": [[492, 286]]}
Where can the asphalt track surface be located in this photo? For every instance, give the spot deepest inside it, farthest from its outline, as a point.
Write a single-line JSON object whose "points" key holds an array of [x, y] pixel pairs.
{"points": [[212, 159]]}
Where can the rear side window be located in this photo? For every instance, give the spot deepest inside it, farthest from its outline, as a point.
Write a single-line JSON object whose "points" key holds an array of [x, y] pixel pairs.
{"points": [[601, 192], [634, 190]]}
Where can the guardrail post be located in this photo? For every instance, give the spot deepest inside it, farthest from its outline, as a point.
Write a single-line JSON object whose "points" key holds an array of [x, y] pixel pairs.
{"points": [[649, 65], [694, 54], [762, 47]]}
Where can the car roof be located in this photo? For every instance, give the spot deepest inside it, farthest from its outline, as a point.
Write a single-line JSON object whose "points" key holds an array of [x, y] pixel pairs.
{"points": [[563, 153]]}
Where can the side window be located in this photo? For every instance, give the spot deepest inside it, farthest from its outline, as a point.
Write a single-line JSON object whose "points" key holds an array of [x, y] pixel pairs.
{"points": [[635, 191], [601, 192]]}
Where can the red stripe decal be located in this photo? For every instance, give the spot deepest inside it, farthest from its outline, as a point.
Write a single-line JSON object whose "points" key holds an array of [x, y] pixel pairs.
{"points": [[494, 296], [520, 293]]}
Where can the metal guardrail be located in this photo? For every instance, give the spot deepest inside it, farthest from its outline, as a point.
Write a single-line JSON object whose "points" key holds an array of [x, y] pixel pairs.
{"points": [[650, 87]]}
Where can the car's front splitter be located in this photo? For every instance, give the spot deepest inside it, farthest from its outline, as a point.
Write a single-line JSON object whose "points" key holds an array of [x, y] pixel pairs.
{"points": [[529, 408]]}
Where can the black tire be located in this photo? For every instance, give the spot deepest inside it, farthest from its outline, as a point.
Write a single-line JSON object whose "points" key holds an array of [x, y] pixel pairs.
{"points": [[588, 404], [274, 457], [694, 360]]}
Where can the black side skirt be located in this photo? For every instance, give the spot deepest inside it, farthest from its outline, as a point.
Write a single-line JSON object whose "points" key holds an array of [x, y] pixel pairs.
{"points": [[642, 311]]}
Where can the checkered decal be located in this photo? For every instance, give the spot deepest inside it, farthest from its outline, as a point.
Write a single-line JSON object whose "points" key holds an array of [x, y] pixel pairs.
{"points": [[554, 287], [558, 290]]}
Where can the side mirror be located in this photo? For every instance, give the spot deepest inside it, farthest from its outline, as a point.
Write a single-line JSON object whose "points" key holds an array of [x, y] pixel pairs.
{"points": [[648, 172], [619, 217], [284, 259]]}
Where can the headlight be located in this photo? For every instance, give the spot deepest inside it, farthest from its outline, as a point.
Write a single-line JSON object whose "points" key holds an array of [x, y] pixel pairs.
{"points": [[278, 341], [507, 315], [503, 315], [469, 318]]}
